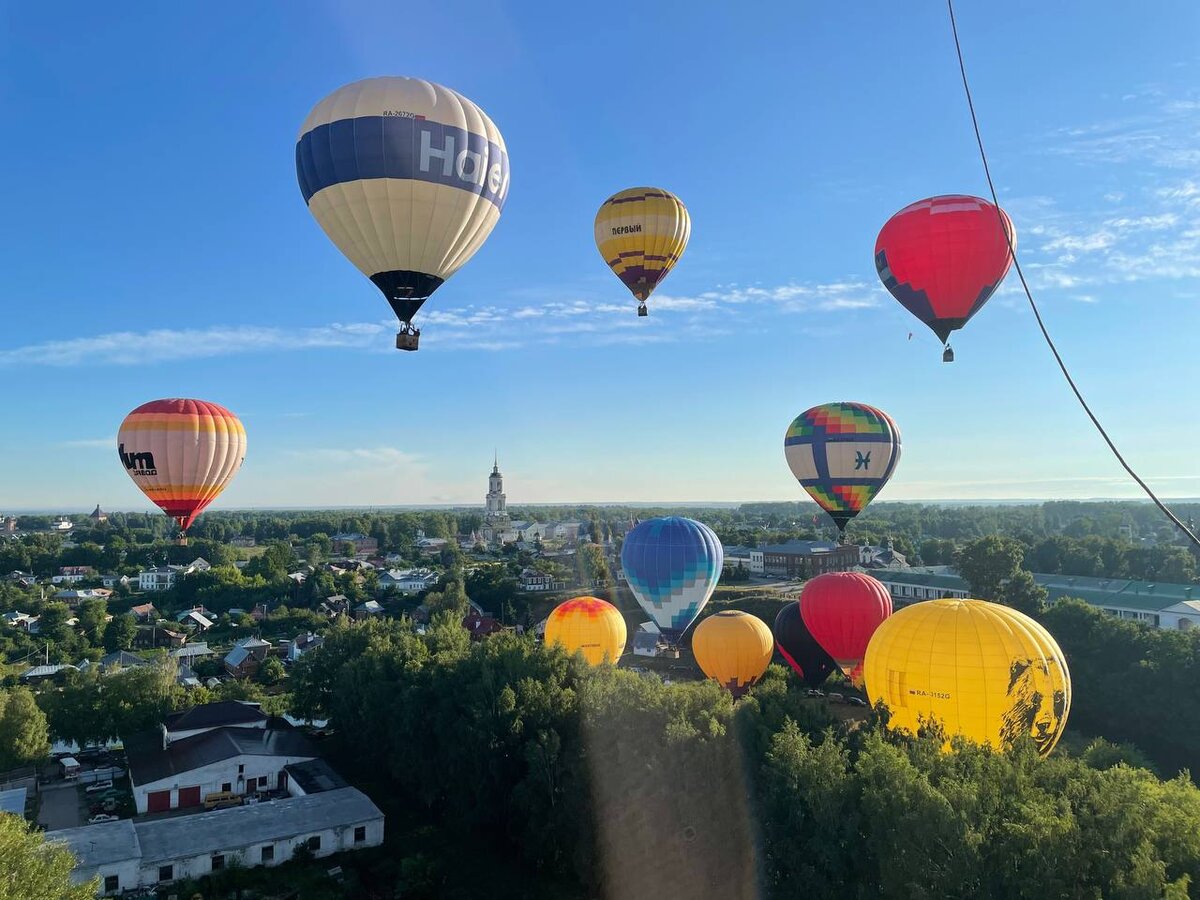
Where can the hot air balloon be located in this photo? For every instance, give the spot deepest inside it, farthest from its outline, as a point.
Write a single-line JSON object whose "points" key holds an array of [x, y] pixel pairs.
{"points": [[408, 179], [672, 566], [182, 454], [842, 454], [733, 648], [641, 233], [590, 625], [986, 671], [801, 650], [943, 257], [842, 611]]}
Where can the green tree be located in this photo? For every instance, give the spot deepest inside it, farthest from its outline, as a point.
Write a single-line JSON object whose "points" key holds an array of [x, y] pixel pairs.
{"points": [[24, 733], [120, 633], [271, 671], [988, 562], [33, 869]]}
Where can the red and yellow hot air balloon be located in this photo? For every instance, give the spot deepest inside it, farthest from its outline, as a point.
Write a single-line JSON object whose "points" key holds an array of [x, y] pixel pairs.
{"points": [[592, 626], [943, 257], [842, 611], [182, 454], [733, 648]]}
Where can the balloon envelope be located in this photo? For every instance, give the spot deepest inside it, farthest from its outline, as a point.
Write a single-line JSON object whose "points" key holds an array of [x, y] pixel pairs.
{"points": [[733, 648], [672, 565], [589, 625], [943, 257], [986, 671], [406, 177], [181, 453], [641, 233], [842, 454], [801, 650], [842, 611]]}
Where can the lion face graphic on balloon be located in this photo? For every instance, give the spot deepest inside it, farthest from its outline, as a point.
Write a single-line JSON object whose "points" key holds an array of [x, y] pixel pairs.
{"points": [[1038, 703]]}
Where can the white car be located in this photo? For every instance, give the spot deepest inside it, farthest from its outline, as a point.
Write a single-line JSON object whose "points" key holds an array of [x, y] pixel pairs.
{"points": [[102, 817], [99, 786]]}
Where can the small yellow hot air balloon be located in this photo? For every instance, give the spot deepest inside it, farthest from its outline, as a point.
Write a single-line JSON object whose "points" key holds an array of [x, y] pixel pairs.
{"points": [[733, 648], [641, 233], [986, 671], [590, 625]]}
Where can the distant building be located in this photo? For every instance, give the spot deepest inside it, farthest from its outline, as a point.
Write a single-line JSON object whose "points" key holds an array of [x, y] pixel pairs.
{"points": [[148, 854], [189, 653], [195, 618], [1162, 604], [161, 578], [302, 644], [534, 581], [647, 641], [363, 545], [806, 559], [41, 673], [246, 656], [98, 516], [885, 557], [115, 662], [61, 523], [75, 597], [480, 626], [72, 574], [368, 610], [144, 612], [408, 581], [495, 513]]}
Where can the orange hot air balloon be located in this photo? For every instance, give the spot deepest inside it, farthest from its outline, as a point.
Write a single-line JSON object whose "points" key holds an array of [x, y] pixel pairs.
{"points": [[182, 454], [733, 648], [589, 625]]}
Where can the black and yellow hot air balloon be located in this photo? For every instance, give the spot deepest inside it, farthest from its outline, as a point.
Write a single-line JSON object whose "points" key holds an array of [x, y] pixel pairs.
{"points": [[733, 648], [985, 671], [641, 233]]}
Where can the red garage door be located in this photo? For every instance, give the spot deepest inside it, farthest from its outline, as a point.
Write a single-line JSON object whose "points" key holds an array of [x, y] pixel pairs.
{"points": [[189, 796], [158, 801]]}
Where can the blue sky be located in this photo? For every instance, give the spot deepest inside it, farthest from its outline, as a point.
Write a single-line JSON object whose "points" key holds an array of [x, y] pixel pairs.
{"points": [[157, 245]]}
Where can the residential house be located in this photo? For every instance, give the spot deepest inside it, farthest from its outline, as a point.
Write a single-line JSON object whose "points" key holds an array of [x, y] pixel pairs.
{"points": [[199, 564], [408, 581], [337, 605], [24, 579], [24, 621], [363, 545], [189, 653], [431, 546], [480, 626], [303, 643], [648, 641], [246, 656], [885, 557], [144, 612], [535, 581], [368, 609], [132, 854], [154, 635], [196, 618], [186, 676], [160, 578], [61, 523], [72, 574], [42, 673], [114, 662], [241, 541], [111, 580], [73, 598]]}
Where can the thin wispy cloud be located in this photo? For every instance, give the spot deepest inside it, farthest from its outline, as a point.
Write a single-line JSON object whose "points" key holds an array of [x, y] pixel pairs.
{"points": [[487, 328], [106, 443]]}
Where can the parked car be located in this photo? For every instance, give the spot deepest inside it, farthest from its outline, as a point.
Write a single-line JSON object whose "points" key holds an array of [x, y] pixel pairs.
{"points": [[815, 693], [99, 786], [837, 698], [103, 817], [856, 701]]}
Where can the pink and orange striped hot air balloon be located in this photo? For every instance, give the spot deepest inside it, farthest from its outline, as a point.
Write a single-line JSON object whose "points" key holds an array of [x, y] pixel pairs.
{"points": [[182, 454]]}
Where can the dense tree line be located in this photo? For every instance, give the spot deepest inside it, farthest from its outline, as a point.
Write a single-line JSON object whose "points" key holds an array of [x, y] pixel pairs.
{"points": [[604, 782]]}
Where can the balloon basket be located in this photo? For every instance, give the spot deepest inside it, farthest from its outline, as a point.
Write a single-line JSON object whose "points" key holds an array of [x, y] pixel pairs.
{"points": [[642, 311], [947, 354], [407, 340]]}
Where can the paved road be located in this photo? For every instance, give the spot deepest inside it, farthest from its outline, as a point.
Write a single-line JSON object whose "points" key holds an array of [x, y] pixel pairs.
{"points": [[60, 807]]}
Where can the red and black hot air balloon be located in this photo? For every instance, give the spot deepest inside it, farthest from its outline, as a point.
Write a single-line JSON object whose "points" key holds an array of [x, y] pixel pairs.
{"points": [[801, 650], [943, 257], [842, 611]]}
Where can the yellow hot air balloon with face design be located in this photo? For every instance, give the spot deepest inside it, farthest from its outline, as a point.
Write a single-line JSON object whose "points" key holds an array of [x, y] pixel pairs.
{"points": [[641, 233], [985, 671], [733, 648], [589, 625]]}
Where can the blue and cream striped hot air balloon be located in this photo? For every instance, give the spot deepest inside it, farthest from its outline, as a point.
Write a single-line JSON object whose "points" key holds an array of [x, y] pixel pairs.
{"points": [[407, 178], [672, 566]]}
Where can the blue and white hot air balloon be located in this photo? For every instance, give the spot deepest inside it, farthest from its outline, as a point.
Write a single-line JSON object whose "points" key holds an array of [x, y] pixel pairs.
{"points": [[407, 178], [672, 565]]}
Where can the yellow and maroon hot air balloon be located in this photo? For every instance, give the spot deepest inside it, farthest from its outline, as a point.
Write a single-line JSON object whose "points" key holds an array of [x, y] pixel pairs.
{"points": [[641, 233], [590, 625], [733, 648], [182, 454]]}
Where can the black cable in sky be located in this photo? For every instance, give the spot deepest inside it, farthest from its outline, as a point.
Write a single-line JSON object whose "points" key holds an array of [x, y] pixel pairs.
{"points": [[1042, 325]]}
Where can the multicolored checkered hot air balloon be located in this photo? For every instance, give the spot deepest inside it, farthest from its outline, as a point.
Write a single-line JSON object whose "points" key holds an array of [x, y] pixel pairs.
{"points": [[842, 454], [943, 257], [641, 233], [182, 454], [672, 565]]}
